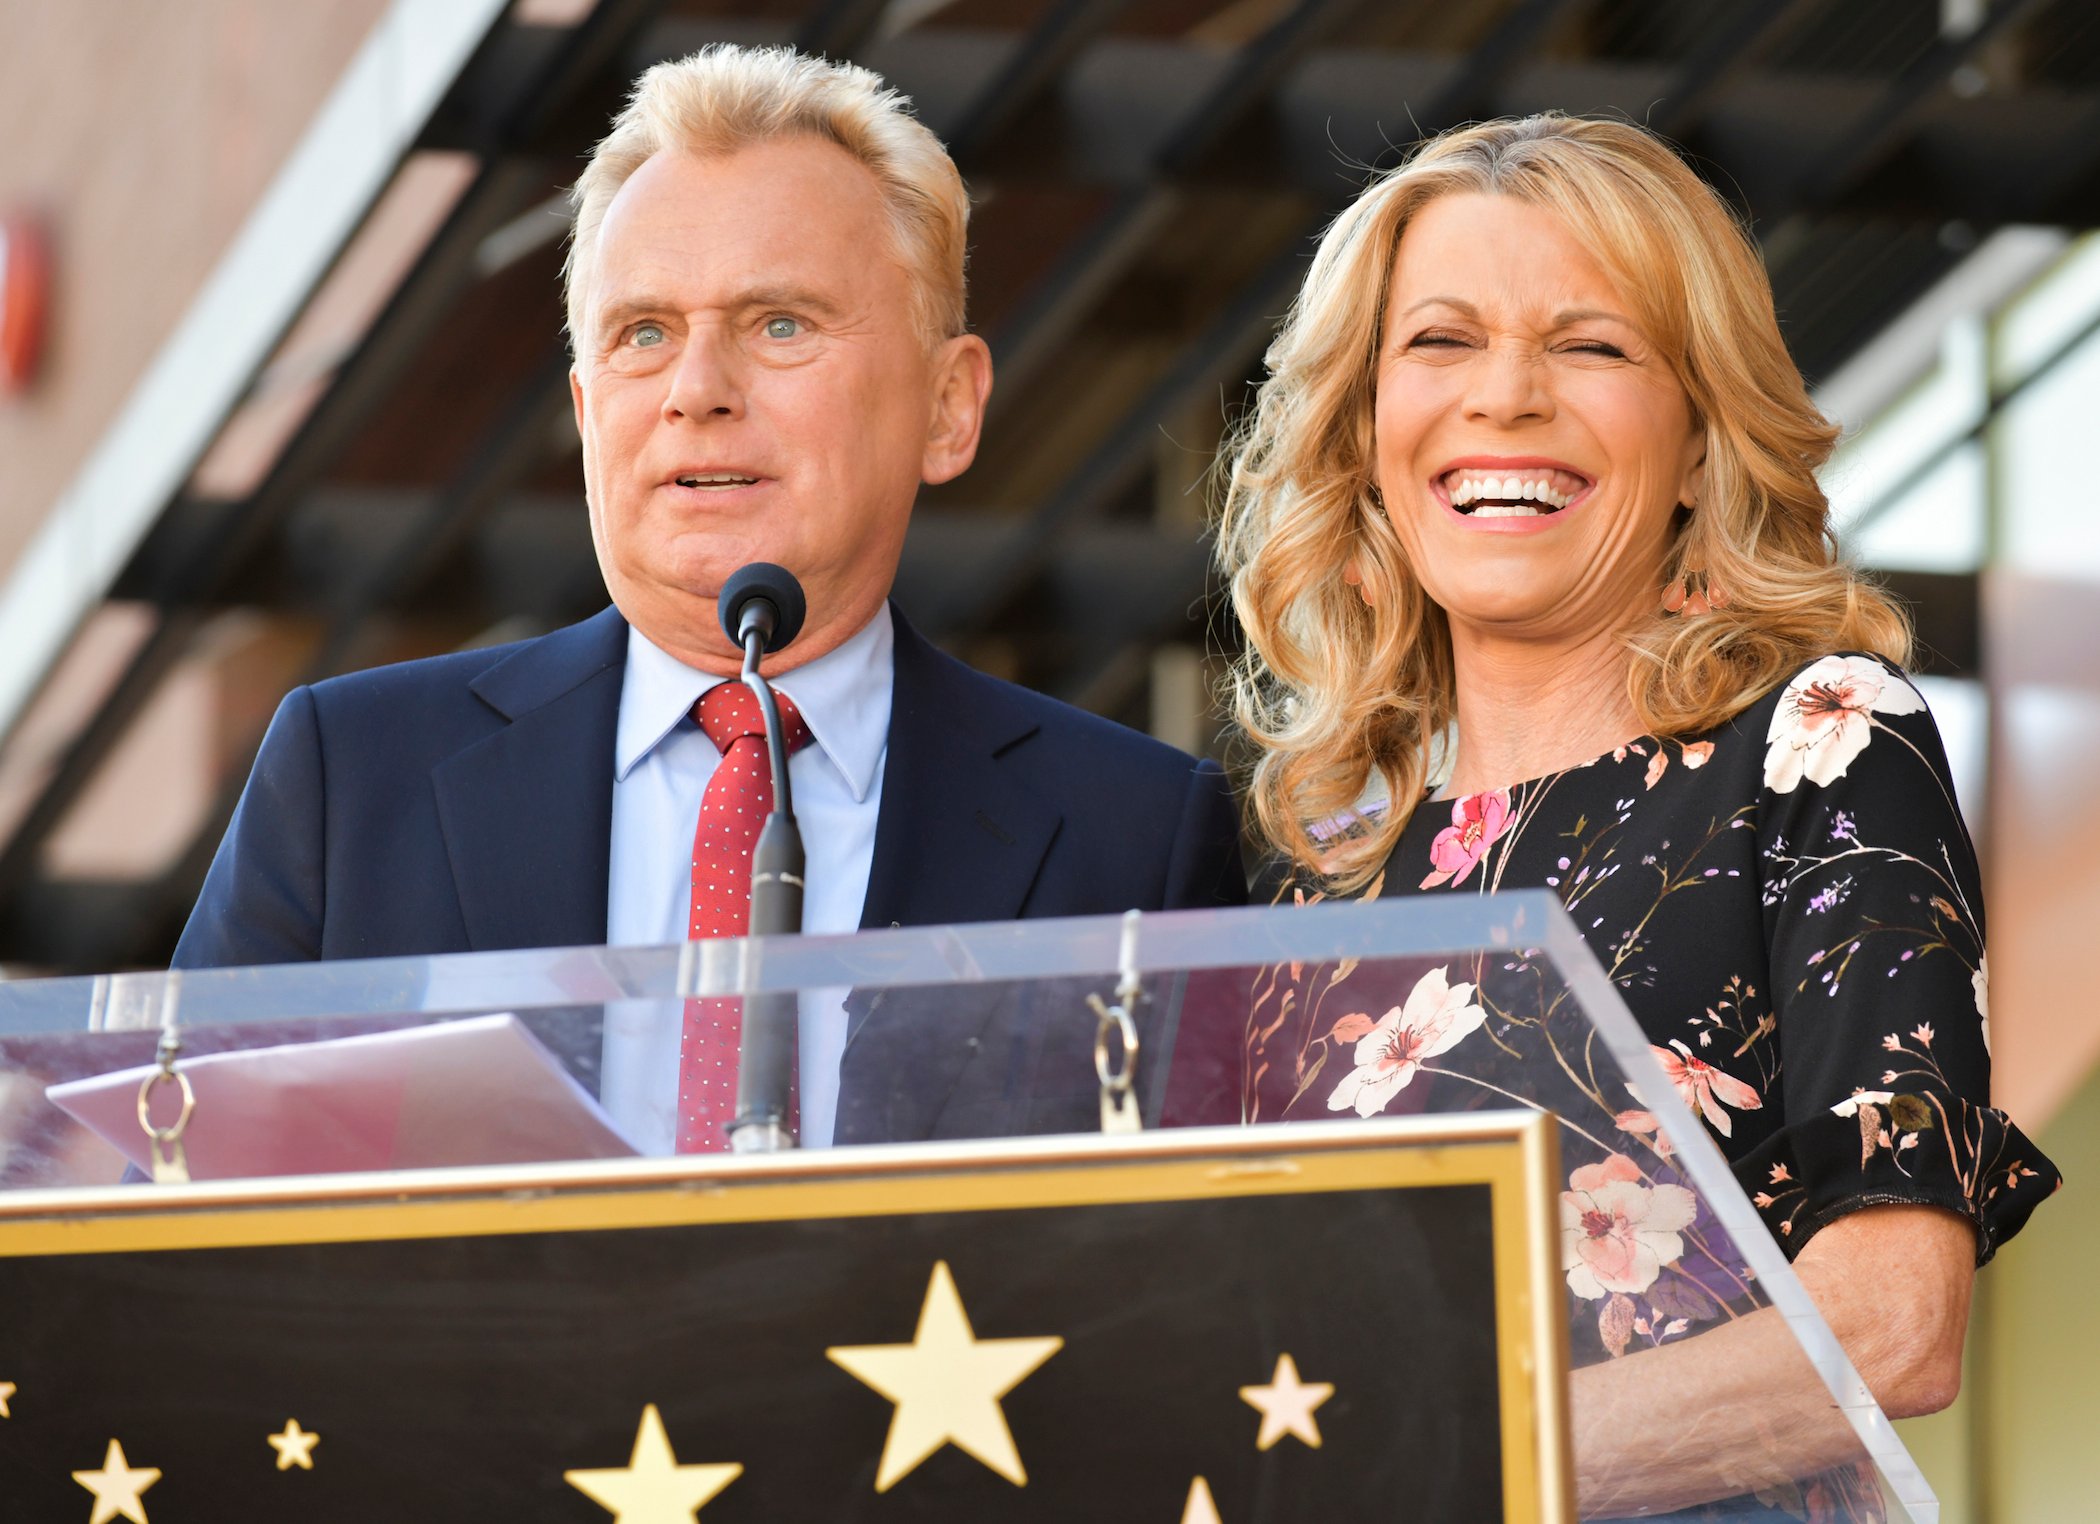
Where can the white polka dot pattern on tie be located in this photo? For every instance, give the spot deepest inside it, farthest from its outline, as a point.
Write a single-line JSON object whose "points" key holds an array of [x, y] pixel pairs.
{"points": [[739, 797]]}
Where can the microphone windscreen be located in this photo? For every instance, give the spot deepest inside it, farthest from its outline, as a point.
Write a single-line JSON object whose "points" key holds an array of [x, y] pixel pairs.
{"points": [[775, 584]]}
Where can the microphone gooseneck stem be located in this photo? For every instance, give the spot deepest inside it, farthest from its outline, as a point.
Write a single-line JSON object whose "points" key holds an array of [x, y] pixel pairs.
{"points": [[776, 740], [767, 1052]]}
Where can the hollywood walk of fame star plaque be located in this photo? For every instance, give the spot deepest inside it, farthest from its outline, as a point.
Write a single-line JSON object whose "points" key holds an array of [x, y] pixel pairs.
{"points": [[1023, 1330]]}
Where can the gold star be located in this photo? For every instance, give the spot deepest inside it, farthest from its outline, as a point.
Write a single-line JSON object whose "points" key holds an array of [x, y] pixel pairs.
{"points": [[7, 1390], [117, 1487], [1287, 1405], [294, 1447], [652, 1488], [947, 1384], [1201, 1508]]}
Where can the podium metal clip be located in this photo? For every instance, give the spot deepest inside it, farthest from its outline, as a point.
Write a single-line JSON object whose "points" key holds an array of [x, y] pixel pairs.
{"points": [[1118, 1073], [170, 1167]]}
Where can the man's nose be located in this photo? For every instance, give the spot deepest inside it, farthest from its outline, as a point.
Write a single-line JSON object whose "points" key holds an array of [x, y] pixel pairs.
{"points": [[707, 382], [1508, 385]]}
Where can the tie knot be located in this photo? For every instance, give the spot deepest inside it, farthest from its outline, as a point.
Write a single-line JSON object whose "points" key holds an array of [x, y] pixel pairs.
{"points": [[729, 712]]}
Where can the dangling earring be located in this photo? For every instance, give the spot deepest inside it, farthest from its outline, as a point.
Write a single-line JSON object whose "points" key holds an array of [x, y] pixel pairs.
{"points": [[1694, 593]]}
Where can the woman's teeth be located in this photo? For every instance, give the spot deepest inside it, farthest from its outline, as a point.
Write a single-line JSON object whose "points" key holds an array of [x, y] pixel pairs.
{"points": [[1519, 495]]}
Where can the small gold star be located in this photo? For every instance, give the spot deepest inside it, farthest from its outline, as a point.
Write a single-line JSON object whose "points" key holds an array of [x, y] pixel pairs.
{"points": [[652, 1488], [7, 1390], [1201, 1508], [117, 1487], [1286, 1405], [947, 1384], [294, 1447]]}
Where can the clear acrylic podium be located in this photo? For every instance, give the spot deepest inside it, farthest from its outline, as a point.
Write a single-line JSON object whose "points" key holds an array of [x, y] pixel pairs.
{"points": [[1323, 1243]]}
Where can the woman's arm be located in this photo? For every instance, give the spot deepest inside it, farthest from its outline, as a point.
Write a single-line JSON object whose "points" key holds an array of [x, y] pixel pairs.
{"points": [[1739, 1407]]}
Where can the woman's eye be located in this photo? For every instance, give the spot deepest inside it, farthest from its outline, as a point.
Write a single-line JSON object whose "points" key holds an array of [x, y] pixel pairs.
{"points": [[782, 328], [1437, 341], [1599, 347], [647, 335]]}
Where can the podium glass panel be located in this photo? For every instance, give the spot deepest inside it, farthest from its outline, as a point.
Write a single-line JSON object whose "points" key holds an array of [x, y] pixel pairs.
{"points": [[1704, 1384]]}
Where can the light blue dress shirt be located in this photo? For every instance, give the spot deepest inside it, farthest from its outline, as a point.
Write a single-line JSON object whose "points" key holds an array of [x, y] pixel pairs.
{"points": [[661, 765]]}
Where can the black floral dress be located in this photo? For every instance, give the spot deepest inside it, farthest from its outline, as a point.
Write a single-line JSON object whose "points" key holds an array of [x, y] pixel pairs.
{"points": [[1790, 906]]}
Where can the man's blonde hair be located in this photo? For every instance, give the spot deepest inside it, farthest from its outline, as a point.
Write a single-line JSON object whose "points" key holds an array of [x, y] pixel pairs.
{"points": [[725, 97], [1333, 691]]}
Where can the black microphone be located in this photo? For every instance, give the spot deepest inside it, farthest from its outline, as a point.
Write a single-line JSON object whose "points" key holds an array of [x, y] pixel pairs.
{"points": [[765, 598], [762, 608]]}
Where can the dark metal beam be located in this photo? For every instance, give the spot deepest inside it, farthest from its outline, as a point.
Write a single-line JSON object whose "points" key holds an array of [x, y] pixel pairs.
{"points": [[839, 28], [1221, 350], [1029, 76], [1730, 49], [1113, 242], [1868, 141]]}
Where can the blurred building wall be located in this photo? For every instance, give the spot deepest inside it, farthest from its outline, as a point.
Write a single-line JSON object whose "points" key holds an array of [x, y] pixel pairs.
{"points": [[1978, 465], [141, 133]]}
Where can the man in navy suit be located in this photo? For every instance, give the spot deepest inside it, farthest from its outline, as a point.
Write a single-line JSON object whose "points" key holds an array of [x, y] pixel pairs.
{"points": [[765, 297]]}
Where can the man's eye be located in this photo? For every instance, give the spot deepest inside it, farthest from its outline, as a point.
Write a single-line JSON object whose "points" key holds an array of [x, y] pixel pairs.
{"points": [[647, 335], [782, 328]]}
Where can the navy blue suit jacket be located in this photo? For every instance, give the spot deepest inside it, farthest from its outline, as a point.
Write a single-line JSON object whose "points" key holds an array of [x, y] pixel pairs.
{"points": [[464, 804]]}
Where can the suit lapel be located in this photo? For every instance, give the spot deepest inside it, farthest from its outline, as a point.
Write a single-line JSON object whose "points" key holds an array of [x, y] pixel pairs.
{"points": [[527, 811], [956, 840]]}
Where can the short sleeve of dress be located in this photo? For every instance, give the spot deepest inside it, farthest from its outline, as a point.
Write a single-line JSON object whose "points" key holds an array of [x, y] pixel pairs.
{"points": [[1879, 978]]}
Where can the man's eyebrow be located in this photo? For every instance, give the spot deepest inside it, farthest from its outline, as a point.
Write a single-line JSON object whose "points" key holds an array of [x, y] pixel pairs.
{"points": [[795, 298], [620, 313]]}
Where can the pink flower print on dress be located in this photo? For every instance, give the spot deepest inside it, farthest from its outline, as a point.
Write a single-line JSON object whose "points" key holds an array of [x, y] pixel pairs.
{"points": [[1822, 721], [1644, 1124], [1437, 1015], [1476, 821], [1616, 1233], [1980, 982], [1704, 1088]]}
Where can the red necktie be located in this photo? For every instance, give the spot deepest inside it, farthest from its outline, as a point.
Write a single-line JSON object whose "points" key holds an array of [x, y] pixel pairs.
{"points": [[739, 797]]}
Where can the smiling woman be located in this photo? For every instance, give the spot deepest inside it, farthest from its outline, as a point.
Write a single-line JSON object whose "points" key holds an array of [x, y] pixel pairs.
{"points": [[1551, 268], [1526, 522]]}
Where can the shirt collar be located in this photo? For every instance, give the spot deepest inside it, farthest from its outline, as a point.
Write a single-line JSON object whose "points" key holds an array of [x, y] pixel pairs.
{"points": [[844, 696]]}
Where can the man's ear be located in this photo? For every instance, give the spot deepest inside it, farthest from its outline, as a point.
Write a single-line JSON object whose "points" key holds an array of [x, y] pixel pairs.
{"points": [[962, 382], [576, 400]]}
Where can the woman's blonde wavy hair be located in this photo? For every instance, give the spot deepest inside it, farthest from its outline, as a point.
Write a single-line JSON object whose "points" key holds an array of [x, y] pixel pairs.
{"points": [[1329, 691]]}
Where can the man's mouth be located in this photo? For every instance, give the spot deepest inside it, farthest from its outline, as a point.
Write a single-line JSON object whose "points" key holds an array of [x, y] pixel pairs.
{"points": [[716, 481], [1530, 493]]}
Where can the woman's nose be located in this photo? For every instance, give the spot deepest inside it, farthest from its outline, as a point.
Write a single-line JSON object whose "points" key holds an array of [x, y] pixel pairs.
{"points": [[1508, 385]]}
